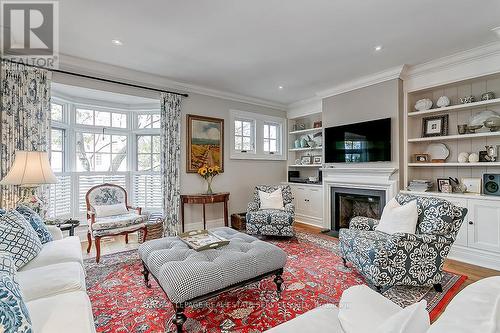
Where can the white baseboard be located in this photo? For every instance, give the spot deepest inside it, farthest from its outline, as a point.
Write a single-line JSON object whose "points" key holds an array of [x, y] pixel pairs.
{"points": [[475, 257], [310, 220]]}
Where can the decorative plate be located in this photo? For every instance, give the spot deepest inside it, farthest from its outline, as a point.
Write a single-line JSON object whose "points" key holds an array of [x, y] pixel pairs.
{"points": [[438, 151]]}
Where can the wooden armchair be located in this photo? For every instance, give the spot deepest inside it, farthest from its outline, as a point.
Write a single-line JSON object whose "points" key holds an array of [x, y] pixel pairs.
{"points": [[109, 214]]}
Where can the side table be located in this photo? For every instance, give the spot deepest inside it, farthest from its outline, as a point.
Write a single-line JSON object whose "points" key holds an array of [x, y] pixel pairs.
{"points": [[65, 225], [203, 199]]}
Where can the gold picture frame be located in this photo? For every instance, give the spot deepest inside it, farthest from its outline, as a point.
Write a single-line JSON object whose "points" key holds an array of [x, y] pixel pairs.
{"points": [[205, 142]]}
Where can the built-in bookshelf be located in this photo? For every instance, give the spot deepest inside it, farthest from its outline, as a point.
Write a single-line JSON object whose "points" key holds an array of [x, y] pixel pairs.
{"points": [[456, 143]]}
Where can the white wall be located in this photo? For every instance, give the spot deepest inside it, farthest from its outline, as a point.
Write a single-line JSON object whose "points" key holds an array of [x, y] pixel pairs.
{"points": [[240, 176]]}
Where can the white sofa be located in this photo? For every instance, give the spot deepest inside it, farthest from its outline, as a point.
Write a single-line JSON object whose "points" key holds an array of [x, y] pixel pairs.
{"points": [[53, 287], [475, 309]]}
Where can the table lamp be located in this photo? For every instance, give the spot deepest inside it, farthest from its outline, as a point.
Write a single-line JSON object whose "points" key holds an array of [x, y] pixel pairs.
{"points": [[30, 170]]}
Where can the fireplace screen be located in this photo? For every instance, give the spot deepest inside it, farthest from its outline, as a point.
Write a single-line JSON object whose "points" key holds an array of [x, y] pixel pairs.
{"points": [[348, 203]]}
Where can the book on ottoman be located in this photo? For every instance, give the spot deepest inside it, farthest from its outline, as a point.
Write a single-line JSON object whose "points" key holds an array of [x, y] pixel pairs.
{"points": [[200, 240]]}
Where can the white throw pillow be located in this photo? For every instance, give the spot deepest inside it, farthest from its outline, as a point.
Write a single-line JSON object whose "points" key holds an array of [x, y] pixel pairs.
{"points": [[273, 200], [397, 218], [412, 319], [110, 210]]}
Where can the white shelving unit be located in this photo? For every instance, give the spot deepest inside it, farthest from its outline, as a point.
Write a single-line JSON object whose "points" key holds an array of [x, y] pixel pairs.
{"points": [[307, 131], [478, 240], [306, 149]]}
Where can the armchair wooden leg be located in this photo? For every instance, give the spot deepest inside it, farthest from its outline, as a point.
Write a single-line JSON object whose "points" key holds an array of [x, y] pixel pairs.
{"points": [[438, 287], [144, 234], [126, 238], [98, 249], [379, 289], [89, 241], [345, 262]]}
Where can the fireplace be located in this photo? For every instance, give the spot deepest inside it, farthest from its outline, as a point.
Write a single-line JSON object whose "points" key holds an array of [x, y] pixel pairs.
{"points": [[347, 203]]}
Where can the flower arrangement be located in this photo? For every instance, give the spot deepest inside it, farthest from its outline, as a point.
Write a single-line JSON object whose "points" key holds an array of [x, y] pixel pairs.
{"points": [[208, 173]]}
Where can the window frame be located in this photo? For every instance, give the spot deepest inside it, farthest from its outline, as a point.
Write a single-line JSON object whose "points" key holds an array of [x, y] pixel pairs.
{"points": [[151, 153], [259, 120]]}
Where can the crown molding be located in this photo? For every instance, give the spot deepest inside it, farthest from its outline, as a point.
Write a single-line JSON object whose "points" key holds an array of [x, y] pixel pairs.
{"points": [[305, 107], [476, 62], [108, 71], [365, 81]]}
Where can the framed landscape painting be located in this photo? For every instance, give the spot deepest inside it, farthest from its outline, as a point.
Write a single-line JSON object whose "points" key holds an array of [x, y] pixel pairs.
{"points": [[205, 142]]}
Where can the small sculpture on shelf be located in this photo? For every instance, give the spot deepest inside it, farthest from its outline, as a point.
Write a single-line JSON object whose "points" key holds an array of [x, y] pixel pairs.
{"points": [[467, 99], [463, 157], [473, 158], [493, 123], [462, 129]]}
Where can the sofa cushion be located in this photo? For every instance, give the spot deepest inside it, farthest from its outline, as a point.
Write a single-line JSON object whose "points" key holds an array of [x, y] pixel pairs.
{"points": [[362, 302], [117, 221], [110, 210], [14, 316], [412, 319], [319, 320], [116, 231], [68, 312], [36, 222], [398, 218], [51, 280], [68, 249], [474, 309], [18, 238]]}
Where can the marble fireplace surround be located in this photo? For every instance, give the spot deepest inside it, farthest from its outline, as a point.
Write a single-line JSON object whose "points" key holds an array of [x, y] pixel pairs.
{"points": [[357, 177]]}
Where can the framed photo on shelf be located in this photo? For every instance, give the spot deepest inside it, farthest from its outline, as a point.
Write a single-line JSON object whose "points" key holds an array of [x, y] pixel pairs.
{"points": [[472, 185], [305, 160], [444, 185], [317, 159], [435, 126], [421, 158]]}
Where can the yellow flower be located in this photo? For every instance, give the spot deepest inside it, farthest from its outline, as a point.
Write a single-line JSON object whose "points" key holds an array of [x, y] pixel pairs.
{"points": [[203, 171], [210, 170]]}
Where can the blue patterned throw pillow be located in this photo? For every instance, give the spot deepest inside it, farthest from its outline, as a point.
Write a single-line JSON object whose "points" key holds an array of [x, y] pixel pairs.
{"points": [[36, 222], [18, 238], [14, 316]]}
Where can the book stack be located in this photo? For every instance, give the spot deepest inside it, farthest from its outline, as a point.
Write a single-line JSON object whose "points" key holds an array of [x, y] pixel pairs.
{"points": [[420, 185]]}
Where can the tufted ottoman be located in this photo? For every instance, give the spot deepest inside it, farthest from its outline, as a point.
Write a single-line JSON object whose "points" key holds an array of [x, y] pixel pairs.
{"points": [[189, 277]]}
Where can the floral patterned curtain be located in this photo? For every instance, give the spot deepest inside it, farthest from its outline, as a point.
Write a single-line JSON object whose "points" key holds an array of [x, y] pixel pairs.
{"points": [[170, 138], [24, 117]]}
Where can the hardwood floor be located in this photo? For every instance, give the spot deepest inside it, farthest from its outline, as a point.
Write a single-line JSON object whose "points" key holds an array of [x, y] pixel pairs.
{"points": [[117, 244]]}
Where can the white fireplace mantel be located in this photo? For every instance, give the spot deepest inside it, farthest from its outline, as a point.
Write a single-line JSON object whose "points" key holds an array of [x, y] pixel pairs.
{"points": [[365, 177]]}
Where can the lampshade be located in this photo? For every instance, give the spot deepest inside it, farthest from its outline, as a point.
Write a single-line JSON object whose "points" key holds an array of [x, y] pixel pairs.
{"points": [[30, 169]]}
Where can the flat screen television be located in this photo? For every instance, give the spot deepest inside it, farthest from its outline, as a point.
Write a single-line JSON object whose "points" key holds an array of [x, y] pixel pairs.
{"points": [[368, 141]]}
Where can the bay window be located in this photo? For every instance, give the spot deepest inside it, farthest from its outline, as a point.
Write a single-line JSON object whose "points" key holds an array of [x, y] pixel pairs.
{"points": [[91, 145]]}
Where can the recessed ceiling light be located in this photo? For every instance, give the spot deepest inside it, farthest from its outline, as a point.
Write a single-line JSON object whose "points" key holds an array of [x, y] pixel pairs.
{"points": [[496, 30], [378, 47], [117, 42], [280, 87]]}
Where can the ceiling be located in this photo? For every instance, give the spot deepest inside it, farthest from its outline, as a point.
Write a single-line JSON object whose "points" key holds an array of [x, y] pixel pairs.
{"points": [[252, 47]]}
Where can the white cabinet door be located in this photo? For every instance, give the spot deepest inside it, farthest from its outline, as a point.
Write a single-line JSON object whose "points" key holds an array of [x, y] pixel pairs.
{"points": [[484, 225], [300, 194], [462, 234], [315, 202]]}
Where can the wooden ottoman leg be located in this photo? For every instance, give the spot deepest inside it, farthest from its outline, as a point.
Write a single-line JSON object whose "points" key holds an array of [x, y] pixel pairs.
{"points": [[279, 281], [180, 317], [145, 273]]}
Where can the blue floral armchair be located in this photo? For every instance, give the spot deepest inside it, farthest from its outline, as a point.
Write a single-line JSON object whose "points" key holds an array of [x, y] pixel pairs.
{"points": [[404, 259], [271, 222], [128, 220]]}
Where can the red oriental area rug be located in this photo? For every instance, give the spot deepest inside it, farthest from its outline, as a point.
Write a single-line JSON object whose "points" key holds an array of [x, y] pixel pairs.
{"points": [[314, 275]]}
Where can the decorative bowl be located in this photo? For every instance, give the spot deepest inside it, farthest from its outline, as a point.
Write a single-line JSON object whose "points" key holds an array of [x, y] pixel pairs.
{"points": [[493, 123], [423, 104], [487, 96], [479, 118], [443, 101]]}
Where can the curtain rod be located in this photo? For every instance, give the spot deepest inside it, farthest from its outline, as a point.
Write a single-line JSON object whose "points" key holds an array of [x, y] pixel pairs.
{"points": [[97, 78]]}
